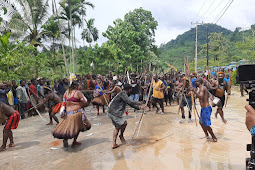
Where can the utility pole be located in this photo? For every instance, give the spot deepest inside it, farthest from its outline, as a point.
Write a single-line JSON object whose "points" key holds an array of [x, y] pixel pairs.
{"points": [[207, 56], [253, 31], [196, 43], [184, 66]]}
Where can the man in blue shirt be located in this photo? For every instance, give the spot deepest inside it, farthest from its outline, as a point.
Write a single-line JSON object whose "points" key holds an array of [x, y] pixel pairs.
{"points": [[227, 78], [4, 90], [193, 79], [213, 73]]}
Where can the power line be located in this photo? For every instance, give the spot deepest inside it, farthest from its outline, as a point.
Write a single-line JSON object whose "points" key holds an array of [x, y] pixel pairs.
{"points": [[224, 11], [216, 7], [215, 19], [207, 9], [199, 10]]}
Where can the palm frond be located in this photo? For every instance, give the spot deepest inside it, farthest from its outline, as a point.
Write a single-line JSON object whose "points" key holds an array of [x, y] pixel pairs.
{"points": [[86, 3]]}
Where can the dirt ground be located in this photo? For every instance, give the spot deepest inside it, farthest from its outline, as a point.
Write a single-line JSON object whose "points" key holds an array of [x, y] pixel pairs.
{"points": [[163, 143]]}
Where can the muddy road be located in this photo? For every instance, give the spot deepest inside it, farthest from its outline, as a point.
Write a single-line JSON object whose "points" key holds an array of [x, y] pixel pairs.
{"points": [[163, 143]]}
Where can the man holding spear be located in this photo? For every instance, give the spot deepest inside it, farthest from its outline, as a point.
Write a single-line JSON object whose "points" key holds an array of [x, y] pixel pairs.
{"points": [[116, 109], [55, 99], [186, 100], [206, 109]]}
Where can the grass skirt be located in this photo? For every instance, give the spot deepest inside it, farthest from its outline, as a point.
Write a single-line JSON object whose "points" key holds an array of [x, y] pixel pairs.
{"points": [[70, 126], [100, 100]]}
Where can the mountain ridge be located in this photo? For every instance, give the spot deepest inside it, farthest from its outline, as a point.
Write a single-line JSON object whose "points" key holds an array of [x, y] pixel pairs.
{"points": [[184, 44]]}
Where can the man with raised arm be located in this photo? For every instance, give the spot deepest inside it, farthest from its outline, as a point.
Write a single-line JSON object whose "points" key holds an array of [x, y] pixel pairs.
{"points": [[56, 100]]}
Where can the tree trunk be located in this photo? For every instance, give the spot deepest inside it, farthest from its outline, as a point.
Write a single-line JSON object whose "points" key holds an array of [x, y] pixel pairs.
{"points": [[54, 57], [62, 43]]}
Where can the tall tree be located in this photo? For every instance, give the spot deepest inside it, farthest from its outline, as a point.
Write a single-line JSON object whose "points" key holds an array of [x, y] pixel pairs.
{"points": [[72, 12], [133, 37], [219, 46], [53, 33], [90, 33], [27, 21]]}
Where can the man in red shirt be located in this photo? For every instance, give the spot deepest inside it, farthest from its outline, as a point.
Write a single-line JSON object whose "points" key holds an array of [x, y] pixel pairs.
{"points": [[33, 96]]}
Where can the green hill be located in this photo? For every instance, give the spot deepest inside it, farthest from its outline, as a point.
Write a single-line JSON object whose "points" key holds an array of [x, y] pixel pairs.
{"points": [[173, 51]]}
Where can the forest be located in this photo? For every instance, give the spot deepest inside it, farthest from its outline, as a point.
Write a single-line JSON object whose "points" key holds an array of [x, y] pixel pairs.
{"points": [[224, 46], [39, 38]]}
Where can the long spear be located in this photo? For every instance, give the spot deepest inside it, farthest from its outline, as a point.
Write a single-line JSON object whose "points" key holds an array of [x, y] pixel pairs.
{"points": [[34, 106], [147, 100], [183, 87], [192, 96], [230, 84], [141, 66]]}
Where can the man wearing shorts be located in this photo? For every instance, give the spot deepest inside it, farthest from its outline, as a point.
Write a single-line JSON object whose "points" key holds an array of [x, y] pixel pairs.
{"points": [[158, 94], [186, 101], [219, 87], [116, 110], [56, 104], [206, 109], [12, 123]]}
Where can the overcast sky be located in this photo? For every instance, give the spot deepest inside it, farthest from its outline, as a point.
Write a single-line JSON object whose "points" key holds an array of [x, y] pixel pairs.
{"points": [[175, 16]]}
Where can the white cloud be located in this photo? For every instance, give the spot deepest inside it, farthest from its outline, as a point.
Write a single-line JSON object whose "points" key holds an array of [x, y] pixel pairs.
{"points": [[174, 16]]}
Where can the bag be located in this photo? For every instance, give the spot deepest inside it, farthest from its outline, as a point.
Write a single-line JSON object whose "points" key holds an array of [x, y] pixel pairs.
{"points": [[96, 93], [215, 101], [62, 111], [10, 98]]}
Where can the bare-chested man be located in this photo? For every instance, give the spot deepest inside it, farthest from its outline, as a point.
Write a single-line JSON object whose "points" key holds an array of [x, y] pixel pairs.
{"points": [[49, 96], [206, 109], [13, 118], [220, 86]]}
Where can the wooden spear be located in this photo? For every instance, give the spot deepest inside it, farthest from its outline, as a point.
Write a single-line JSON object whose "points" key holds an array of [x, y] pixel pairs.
{"points": [[190, 83], [147, 100], [229, 86], [141, 66], [34, 105], [183, 87]]}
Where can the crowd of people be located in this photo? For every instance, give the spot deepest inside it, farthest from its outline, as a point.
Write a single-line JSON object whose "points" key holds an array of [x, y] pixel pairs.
{"points": [[70, 96]]}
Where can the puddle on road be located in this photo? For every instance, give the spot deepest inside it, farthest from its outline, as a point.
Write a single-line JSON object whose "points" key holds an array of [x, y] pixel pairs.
{"points": [[170, 145]]}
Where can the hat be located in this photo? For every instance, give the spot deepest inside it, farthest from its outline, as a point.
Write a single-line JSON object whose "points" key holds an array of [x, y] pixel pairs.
{"points": [[220, 72], [45, 87], [127, 86], [114, 78]]}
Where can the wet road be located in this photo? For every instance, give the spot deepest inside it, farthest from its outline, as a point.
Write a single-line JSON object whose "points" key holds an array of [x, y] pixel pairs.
{"points": [[163, 143]]}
